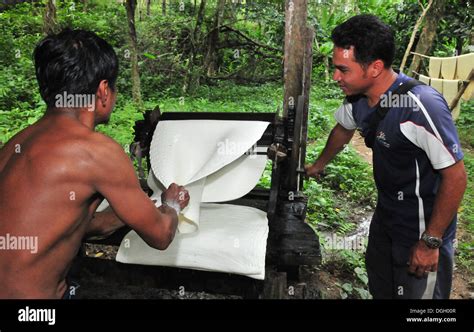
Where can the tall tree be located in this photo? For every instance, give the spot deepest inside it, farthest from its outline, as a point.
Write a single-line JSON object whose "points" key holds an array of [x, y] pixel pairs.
{"points": [[148, 5], [210, 60], [49, 17], [163, 7], [428, 33], [415, 30], [297, 78], [136, 94], [195, 38]]}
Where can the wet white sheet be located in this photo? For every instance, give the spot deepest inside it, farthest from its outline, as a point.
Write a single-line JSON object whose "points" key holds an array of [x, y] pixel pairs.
{"points": [[209, 158]]}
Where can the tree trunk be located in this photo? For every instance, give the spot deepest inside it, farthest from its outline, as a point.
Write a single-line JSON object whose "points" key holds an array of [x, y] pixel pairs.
{"points": [[297, 77], [295, 30], [191, 79], [210, 61], [148, 5], [459, 44], [49, 18], [163, 7], [138, 5], [428, 33], [413, 35], [136, 94]]}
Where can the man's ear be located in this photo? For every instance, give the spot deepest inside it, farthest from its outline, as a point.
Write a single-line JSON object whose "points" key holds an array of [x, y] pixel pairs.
{"points": [[377, 68], [103, 92]]}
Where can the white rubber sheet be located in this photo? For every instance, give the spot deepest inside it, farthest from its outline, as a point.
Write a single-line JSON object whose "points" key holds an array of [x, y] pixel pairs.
{"points": [[230, 239], [210, 159]]}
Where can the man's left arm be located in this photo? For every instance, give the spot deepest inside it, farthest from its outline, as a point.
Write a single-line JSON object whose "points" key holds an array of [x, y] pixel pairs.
{"points": [[449, 196], [103, 224]]}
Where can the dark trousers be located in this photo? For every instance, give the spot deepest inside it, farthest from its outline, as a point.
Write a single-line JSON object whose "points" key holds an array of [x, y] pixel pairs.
{"points": [[386, 263]]}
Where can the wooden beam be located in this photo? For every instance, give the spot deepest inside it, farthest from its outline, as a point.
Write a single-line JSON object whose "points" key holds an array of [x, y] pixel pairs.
{"points": [[297, 79], [308, 69], [456, 99], [295, 31]]}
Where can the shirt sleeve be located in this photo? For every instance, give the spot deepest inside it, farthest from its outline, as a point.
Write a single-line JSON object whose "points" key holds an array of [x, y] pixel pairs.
{"points": [[430, 126], [345, 117]]}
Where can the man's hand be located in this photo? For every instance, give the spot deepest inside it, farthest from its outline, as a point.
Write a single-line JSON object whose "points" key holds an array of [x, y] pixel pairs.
{"points": [[423, 260], [175, 195], [314, 170]]}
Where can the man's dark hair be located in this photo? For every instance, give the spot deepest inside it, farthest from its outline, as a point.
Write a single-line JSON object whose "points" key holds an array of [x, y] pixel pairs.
{"points": [[73, 61], [372, 39]]}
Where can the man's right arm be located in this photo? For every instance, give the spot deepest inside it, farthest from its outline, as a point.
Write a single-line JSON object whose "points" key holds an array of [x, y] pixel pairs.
{"points": [[337, 139], [116, 180]]}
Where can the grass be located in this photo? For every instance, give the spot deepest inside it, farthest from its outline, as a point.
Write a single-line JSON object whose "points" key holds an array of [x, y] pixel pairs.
{"points": [[465, 249]]}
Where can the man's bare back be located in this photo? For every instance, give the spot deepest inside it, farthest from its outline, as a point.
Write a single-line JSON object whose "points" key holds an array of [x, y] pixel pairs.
{"points": [[55, 173], [51, 174], [46, 192]]}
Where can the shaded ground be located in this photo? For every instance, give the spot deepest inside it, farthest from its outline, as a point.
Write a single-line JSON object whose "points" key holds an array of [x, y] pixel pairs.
{"points": [[102, 278]]}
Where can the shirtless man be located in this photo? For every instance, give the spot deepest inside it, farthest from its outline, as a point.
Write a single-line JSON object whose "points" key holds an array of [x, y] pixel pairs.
{"points": [[55, 173]]}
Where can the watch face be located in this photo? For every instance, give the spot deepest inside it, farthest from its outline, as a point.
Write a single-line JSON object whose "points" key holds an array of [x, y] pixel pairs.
{"points": [[431, 241]]}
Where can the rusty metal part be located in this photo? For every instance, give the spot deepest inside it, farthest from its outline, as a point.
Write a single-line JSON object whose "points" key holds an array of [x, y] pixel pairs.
{"points": [[277, 152]]}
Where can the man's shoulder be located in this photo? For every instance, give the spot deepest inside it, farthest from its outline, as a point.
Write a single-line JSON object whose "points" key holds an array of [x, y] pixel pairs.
{"points": [[105, 149], [429, 101], [356, 103], [102, 141], [354, 99]]}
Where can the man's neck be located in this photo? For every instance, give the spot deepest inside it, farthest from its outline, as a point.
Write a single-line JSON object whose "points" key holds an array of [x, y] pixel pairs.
{"points": [[81, 115], [380, 86]]}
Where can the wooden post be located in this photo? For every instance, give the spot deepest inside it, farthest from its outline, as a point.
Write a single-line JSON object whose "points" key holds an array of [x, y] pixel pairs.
{"points": [[465, 84], [297, 77], [295, 30], [308, 68]]}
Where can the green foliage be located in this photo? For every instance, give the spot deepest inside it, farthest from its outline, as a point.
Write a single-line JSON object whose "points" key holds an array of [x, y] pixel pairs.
{"points": [[351, 262], [465, 124], [465, 249], [120, 126], [266, 179], [166, 61], [455, 28]]}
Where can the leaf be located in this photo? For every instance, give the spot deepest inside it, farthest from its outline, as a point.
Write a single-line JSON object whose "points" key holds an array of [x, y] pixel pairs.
{"points": [[347, 287], [362, 275], [363, 293], [322, 201], [99, 254], [326, 48], [149, 56]]}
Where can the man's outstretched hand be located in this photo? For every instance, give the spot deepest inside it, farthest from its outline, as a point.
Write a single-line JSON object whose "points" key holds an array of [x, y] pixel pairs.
{"points": [[175, 196], [314, 171]]}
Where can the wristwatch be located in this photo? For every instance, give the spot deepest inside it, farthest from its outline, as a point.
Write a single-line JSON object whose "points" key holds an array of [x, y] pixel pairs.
{"points": [[431, 242]]}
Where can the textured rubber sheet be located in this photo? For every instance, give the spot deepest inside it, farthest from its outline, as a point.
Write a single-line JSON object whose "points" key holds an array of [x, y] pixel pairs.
{"points": [[217, 162]]}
